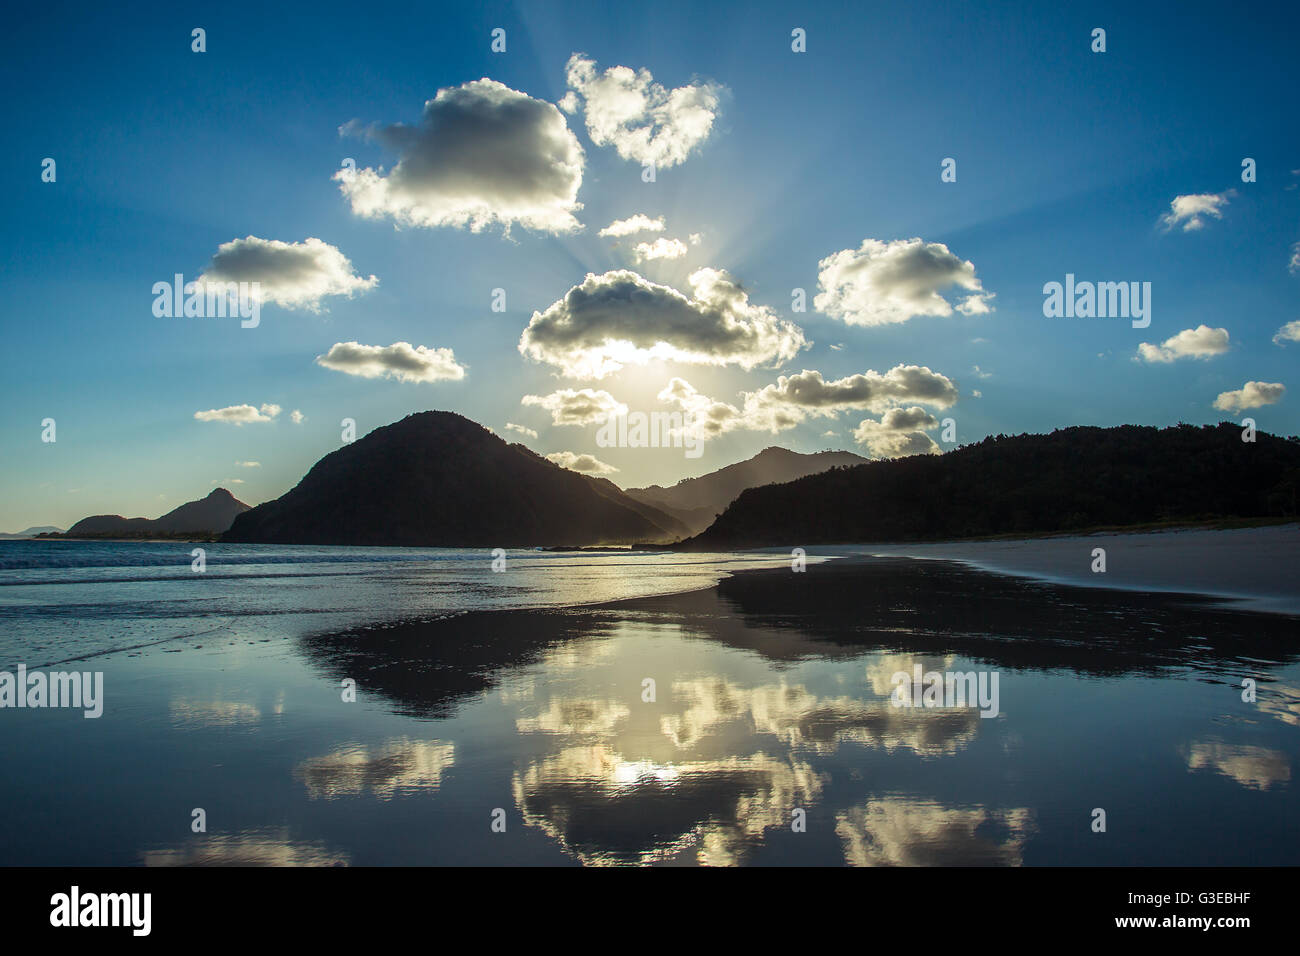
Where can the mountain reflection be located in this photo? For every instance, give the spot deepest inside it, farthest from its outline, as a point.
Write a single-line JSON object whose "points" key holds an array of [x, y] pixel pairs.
{"points": [[941, 607], [834, 611], [771, 696], [426, 668]]}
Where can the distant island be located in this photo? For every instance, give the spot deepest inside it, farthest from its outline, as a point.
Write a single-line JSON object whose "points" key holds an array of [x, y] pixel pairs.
{"points": [[29, 533], [206, 517]]}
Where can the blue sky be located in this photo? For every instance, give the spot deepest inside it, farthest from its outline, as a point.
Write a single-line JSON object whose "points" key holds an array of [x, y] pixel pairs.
{"points": [[1067, 160]]}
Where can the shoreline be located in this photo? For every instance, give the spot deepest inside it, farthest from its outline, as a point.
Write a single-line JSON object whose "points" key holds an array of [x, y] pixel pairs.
{"points": [[1244, 567], [1248, 568], [1253, 575], [772, 692], [1208, 524], [425, 667]]}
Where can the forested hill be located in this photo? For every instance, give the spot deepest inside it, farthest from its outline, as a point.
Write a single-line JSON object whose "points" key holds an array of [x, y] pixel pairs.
{"points": [[1072, 479], [698, 501], [437, 479]]}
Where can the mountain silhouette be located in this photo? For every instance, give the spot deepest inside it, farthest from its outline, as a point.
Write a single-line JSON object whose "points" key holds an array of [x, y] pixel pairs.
{"points": [[698, 501], [31, 532], [212, 514], [216, 512], [437, 479], [1073, 479]]}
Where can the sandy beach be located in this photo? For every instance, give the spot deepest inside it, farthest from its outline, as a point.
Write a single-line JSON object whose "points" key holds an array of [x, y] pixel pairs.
{"points": [[1258, 567]]}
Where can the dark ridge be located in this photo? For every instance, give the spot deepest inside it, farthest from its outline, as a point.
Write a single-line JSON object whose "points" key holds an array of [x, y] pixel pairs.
{"points": [[697, 501], [437, 479], [1074, 479], [210, 515]]}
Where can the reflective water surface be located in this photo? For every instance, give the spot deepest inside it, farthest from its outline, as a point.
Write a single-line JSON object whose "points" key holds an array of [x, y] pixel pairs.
{"points": [[748, 723]]}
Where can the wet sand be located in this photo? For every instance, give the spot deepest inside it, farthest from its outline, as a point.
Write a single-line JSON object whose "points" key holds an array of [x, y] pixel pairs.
{"points": [[773, 695], [772, 701], [837, 609], [1259, 567]]}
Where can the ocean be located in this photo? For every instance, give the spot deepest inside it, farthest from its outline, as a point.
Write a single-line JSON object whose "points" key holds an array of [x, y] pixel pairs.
{"points": [[62, 600], [356, 706]]}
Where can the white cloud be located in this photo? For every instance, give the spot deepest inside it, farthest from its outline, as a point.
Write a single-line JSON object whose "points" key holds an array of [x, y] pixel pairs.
{"points": [[705, 417], [899, 433], [239, 414], [1294, 265], [248, 464], [661, 248], [632, 225], [481, 154], [881, 283], [870, 390], [521, 429], [584, 406], [618, 318], [1201, 342], [401, 360], [587, 464], [1192, 210], [645, 122], [1288, 333], [793, 399], [294, 275], [297, 417], [1250, 395]]}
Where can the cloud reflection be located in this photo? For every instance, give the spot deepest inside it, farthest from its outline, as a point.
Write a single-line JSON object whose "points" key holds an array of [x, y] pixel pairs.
{"points": [[268, 847], [396, 767], [804, 721], [605, 808], [188, 714], [1281, 702], [899, 831], [1256, 768]]}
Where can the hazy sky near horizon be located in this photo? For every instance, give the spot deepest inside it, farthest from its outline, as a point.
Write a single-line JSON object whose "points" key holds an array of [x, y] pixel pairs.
{"points": [[774, 171]]}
